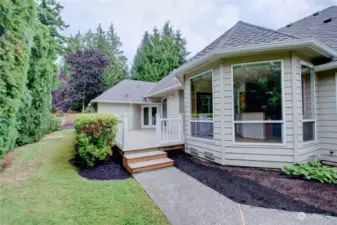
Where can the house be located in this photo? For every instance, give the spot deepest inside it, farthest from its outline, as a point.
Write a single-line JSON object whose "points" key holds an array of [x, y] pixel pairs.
{"points": [[253, 97]]}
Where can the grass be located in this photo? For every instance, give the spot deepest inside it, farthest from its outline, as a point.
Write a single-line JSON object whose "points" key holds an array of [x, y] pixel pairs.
{"points": [[41, 187]]}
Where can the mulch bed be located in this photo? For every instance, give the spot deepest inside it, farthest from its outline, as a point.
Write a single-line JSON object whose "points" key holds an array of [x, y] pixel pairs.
{"points": [[110, 169], [261, 187]]}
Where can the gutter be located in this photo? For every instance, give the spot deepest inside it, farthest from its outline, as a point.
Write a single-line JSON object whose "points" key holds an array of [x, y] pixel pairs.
{"points": [[237, 51], [326, 66]]}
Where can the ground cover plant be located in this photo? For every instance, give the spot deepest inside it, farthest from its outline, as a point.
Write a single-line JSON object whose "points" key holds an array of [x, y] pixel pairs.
{"points": [[95, 134], [312, 171], [42, 187]]}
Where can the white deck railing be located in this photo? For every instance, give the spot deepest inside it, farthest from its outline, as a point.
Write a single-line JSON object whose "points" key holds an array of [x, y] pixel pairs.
{"points": [[169, 130], [121, 130]]}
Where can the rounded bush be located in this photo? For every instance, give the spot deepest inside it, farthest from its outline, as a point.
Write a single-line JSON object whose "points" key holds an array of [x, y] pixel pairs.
{"points": [[95, 134]]}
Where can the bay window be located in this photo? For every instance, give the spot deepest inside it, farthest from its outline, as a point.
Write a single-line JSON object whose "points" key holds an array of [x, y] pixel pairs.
{"points": [[201, 100], [258, 103], [308, 103]]}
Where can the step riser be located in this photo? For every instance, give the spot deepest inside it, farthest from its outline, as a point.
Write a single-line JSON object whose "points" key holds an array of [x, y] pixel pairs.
{"points": [[148, 168], [163, 148], [145, 158]]}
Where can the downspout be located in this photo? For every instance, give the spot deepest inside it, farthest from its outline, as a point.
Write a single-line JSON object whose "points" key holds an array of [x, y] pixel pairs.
{"points": [[295, 108]]}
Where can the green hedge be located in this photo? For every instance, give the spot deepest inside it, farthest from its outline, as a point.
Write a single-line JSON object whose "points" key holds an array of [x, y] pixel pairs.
{"points": [[18, 19], [95, 134]]}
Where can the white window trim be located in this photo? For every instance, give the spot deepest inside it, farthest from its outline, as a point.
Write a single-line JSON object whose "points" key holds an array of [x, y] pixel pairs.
{"points": [[283, 121], [162, 108], [150, 106], [313, 106], [190, 108]]}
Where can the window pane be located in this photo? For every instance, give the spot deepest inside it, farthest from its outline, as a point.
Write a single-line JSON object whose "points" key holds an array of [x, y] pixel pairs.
{"points": [[308, 131], [258, 91], [307, 93], [202, 97], [202, 129], [164, 105], [146, 116], [258, 132], [154, 112]]}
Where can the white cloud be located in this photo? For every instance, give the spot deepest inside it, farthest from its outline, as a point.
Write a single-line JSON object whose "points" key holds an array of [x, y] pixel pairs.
{"points": [[200, 21]]}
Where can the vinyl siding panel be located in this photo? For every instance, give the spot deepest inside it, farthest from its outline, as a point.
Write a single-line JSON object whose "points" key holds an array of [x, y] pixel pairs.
{"points": [[136, 116], [327, 115], [116, 109]]}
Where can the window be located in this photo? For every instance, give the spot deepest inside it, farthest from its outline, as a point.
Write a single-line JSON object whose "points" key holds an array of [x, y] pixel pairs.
{"points": [[201, 123], [258, 107], [308, 103]]}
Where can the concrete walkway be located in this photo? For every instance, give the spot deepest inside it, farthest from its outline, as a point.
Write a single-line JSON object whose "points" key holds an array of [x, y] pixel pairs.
{"points": [[186, 201]]}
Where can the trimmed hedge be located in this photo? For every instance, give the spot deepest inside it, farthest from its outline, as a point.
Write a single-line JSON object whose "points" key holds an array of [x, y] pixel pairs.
{"points": [[95, 134]]}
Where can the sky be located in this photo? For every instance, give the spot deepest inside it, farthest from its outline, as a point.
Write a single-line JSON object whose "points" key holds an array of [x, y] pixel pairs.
{"points": [[200, 21]]}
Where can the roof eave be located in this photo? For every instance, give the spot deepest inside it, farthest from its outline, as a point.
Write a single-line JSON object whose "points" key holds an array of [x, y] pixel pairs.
{"points": [[326, 66], [239, 51], [165, 90]]}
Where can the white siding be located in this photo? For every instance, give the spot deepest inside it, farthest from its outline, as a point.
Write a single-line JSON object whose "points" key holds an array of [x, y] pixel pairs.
{"points": [[116, 109], [327, 115], [173, 105], [181, 101], [136, 117]]}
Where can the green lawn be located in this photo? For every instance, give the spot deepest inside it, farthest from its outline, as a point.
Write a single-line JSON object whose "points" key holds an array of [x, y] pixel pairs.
{"points": [[41, 187]]}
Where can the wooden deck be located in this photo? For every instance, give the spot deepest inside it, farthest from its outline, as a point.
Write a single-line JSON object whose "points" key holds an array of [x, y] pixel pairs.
{"points": [[146, 140]]}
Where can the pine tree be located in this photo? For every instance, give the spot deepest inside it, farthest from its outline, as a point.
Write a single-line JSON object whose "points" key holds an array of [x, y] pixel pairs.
{"points": [[159, 53]]}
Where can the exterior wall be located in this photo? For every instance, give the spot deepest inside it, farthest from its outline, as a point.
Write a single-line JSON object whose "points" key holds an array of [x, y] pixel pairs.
{"points": [[222, 147], [135, 116], [116, 109], [258, 155], [197, 145], [173, 105], [181, 101], [304, 151], [327, 115]]}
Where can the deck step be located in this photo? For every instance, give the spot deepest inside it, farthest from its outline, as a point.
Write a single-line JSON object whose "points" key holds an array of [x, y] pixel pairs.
{"points": [[149, 165], [143, 156]]}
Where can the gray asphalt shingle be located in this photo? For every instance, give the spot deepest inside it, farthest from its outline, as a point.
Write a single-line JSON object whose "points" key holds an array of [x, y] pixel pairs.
{"points": [[314, 26], [126, 91]]}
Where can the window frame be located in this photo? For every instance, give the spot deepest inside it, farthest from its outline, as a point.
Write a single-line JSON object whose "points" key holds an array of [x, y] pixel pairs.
{"points": [[190, 107], [313, 99], [283, 121]]}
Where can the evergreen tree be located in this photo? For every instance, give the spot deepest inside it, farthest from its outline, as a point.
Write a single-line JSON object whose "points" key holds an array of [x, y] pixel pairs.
{"points": [[159, 53]]}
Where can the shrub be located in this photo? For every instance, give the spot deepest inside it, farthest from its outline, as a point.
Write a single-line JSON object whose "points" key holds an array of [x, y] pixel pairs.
{"points": [[54, 123], [94, 136], [312, 171]]}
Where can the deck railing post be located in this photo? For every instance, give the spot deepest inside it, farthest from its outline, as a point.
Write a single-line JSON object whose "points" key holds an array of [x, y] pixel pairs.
{"points": [[181, 127], [125, 119], [158, 128]]}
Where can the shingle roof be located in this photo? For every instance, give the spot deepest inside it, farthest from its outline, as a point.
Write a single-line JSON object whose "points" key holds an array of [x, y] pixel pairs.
{"points": [[314, 26], [168, 81], [126, 91], [244, 34]]}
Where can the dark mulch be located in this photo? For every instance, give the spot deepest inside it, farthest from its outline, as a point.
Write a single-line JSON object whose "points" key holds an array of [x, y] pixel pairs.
{"points": [[110, 169], [261, 187]]}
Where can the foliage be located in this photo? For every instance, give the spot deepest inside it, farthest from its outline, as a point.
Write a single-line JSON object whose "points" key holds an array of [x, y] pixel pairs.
{"points": [[86, 68], [95, 134], [159, 53], [18, 19], [41, 176], [35, 116], [54, 123], [87, 110], [313, 171], [108, 43]]}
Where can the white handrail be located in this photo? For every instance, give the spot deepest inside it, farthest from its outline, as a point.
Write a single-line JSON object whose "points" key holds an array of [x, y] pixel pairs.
{"points": [[169, 130]]}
